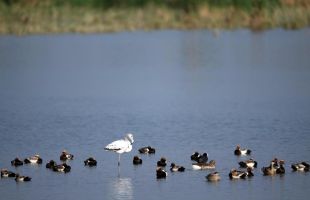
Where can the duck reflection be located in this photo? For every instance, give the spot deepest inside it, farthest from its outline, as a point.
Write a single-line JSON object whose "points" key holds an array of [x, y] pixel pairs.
{"points": [[122, 188]]}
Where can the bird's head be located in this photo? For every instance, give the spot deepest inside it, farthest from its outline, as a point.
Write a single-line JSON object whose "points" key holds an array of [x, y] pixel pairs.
{"points": [[129, 137]]}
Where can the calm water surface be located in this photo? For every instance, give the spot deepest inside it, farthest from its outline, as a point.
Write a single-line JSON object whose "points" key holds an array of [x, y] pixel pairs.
{"points": [[179, 91]]}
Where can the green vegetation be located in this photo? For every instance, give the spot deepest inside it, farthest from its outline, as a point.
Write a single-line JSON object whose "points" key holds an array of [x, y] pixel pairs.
{"points": [[175, 4], [88, 16], [246, 4]]}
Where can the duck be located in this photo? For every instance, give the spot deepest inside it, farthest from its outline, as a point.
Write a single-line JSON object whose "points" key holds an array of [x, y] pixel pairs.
{"points": [[199, 166], [235, 174], [302, 166], [19, 178], [162, 162], [66, 156], [90, 162], [176, 168], [214, 176], [248, 163], [33, 159], [306, 164], [276, 163], [199, 158], [281, 169], [62, 168], [51, 164], [137, 160], [7, 173], [147, 150], [238, 151], [270, 170], [250, 172], [17, 162], [203, 158], [161, 173], [195, 156]]}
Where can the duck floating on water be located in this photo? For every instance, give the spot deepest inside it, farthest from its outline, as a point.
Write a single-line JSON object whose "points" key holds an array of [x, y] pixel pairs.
{"points": [[250, 172], [240, 152], [248, 163], [236, 174], [162, 162], [176, 168], [136, 160], [302, 166], [90, 162], [62, 168], [201, 166], [272, 168], [17, 162], [214, 176], [195, 156], [199, 158], [7, 173], [19, 178], [147, 150], [51, 164], [203, 158], [66, 156], [161, 173], [36, 159], [281, 169]]}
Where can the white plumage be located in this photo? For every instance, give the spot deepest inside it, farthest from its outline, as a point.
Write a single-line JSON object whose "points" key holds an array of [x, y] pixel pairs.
{"points": [[121, 146]]}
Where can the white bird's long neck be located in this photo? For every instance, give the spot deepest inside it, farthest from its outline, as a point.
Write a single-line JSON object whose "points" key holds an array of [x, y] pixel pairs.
{"points": [[127, 138]]}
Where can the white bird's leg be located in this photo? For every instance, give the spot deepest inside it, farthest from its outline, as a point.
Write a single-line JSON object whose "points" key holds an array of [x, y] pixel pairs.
{"points": [[119, 159]]}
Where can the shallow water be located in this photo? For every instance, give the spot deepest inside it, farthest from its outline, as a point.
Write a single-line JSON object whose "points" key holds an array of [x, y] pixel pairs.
{"points": [[179, 91]]}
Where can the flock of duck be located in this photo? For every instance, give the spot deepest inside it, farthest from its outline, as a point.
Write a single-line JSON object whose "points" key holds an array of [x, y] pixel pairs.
{"points": [[52, 165], [200, 163]]}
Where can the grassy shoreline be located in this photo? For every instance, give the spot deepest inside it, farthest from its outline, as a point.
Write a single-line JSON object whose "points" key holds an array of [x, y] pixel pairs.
{"points": [[43, 18]]}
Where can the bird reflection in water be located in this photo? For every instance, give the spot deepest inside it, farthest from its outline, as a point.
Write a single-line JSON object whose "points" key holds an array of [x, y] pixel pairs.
{"points": [[122, 188]]}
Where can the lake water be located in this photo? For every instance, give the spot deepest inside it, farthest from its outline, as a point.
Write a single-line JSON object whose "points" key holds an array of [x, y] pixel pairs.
{"points": [[178, 91]]}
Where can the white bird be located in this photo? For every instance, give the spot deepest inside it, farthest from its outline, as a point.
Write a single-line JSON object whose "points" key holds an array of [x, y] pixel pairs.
{"points": [[121, 146]]}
